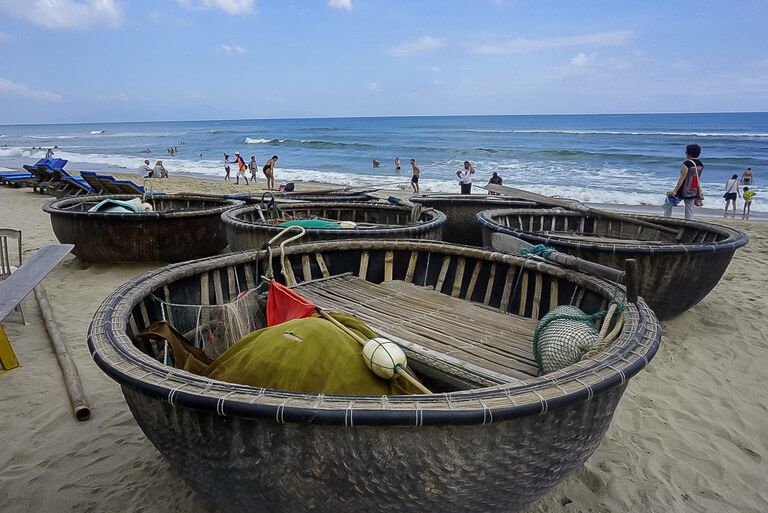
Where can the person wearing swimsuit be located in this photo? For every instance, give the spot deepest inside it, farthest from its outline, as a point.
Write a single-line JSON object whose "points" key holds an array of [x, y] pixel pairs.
{"points": [[415, 177], [269, 172], [746, 178]]}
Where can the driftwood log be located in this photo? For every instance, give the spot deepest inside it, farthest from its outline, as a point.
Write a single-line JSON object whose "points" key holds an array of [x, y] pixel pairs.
{"points": [[71, 378]]}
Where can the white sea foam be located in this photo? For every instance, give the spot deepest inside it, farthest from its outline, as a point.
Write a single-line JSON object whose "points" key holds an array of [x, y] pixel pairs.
{"points": [[94, 132], [249, 140]]}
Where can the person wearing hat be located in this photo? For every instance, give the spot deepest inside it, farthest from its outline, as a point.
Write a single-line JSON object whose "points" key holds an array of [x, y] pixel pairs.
{"points": [[242, 167]]}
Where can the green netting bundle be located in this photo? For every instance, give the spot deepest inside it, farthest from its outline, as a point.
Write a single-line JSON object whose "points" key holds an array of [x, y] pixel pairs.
{"points": [[312, 223], [303, 355], [562, 338]]}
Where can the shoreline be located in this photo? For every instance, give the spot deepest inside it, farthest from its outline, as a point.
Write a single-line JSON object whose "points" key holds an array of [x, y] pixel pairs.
{"points": [[181, 182]]}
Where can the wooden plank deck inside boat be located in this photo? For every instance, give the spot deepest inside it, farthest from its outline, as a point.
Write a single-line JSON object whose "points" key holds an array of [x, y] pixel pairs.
{"points": [[470, 332]]}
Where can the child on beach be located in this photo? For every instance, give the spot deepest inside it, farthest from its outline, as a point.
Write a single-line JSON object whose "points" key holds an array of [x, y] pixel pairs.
{"points": [[415, 177], [731, 193], [226, 167], [253, 168], [748, 195]]}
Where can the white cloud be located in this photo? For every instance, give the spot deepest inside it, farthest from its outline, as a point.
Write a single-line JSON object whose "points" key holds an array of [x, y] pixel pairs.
{"points": [[435, 69], [233, 49], [524, 45], [582, 59], [229, 6], [4, 36], [66, 13], [10, 89], [373, 87], [420, 46], [341, 4]]}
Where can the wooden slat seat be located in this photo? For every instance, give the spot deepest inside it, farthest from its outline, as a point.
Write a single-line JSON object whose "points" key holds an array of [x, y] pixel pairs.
{"points": [[467, 331]]}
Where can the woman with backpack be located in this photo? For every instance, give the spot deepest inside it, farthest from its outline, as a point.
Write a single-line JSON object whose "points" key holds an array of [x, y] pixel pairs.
{"points": [[688, 187]]}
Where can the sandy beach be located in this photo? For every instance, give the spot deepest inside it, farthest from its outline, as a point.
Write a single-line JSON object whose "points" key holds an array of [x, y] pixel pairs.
{"points": [[691, 433]]}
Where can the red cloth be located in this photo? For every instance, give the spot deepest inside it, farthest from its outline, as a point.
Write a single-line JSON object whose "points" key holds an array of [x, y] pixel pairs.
{"points": [[283, 304]]}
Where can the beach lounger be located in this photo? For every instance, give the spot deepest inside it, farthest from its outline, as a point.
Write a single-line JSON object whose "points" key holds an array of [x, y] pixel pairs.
{"points": [[108, 184], [128, 187], [16, 178], [93, 180]]}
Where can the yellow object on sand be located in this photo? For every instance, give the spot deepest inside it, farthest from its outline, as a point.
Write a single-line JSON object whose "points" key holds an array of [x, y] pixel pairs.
{"points": [[8, 358]]}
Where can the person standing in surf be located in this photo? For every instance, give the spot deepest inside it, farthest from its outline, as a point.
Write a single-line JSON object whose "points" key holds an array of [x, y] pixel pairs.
{"points": [[688, 187], [465, 177], [226, 167], [415, 176], [397, 164], [731, 193], [269, 171]]}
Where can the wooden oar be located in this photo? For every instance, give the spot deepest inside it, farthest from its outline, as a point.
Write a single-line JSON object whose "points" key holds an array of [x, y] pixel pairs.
{"points": [[571, 204], [512, 245]]}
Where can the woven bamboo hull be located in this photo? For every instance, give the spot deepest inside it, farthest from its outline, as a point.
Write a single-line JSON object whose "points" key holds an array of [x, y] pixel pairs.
{"points": [[673, 276], [144, 237], [462, 227], [245, 232], [304, 467], [483, 449]]}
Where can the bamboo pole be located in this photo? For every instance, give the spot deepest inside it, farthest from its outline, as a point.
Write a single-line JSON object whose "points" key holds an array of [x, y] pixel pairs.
{"points": [[360, 340], [576, 206], [71, 379]]}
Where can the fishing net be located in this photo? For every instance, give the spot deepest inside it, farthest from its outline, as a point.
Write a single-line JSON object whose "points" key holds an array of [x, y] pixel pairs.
{"points": [[563, 336], [303, 355], [215, 328]]}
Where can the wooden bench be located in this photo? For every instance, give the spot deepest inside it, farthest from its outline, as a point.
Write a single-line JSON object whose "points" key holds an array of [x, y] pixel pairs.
{"points": [[20, 283]]}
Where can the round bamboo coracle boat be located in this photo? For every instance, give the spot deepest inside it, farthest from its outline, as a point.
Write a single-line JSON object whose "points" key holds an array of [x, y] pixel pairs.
{"points": [[496, 437], [460, 209], [180, 227], [250, 227], [336, 195], [677, 270]]}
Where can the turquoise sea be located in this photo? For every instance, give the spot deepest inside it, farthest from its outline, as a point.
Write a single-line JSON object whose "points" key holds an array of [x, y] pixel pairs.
{"points": [[632, 159]]}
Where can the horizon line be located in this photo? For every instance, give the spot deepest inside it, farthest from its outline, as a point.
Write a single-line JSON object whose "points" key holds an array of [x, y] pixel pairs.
{"points": [[386, 117]]}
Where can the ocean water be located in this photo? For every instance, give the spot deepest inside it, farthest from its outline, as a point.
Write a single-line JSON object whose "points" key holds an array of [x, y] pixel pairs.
{"points": [[631, 159]]}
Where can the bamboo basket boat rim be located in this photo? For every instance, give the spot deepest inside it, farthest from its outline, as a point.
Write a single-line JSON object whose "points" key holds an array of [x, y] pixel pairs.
{"points": [[471, 198], [58, 207], [435, 218], [734, 238], [114, 352]]}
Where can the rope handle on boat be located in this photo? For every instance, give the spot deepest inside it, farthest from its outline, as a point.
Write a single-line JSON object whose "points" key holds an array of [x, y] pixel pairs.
{"points": [[270, 272]]}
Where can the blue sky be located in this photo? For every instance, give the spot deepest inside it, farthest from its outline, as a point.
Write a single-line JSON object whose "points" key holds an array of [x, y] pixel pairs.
{"points": [[115, 60]]}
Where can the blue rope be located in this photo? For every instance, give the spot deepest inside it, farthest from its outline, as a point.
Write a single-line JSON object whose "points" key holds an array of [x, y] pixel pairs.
{"points": [[538, 250]]}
